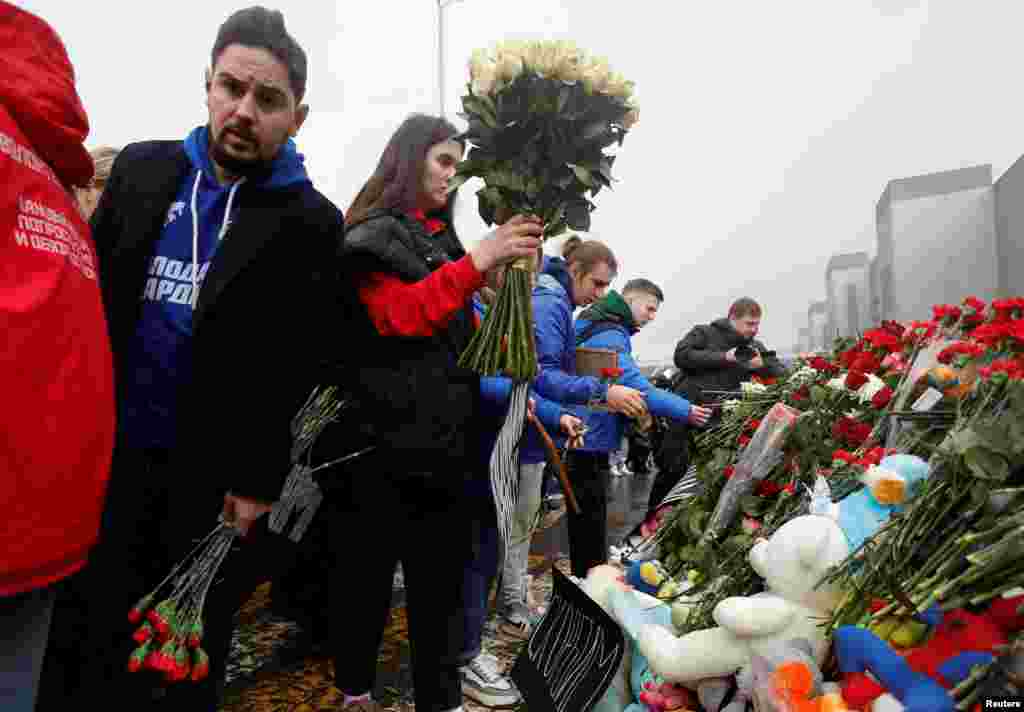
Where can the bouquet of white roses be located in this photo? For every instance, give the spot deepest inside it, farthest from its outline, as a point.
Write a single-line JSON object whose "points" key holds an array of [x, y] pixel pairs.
{"points": [[541, 116]]}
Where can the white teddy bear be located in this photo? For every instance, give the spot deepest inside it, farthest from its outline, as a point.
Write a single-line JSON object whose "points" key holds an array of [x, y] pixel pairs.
{"points": [[792, 563]]}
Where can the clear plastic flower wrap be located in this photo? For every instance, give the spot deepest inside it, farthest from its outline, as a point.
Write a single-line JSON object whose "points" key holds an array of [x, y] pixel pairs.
{"points": [[756, 461]]}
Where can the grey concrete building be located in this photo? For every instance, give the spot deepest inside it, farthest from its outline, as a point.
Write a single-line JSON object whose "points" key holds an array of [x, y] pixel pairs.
{"points": [[848, 290], [817, 325], [1009, 192], [936, 241], [804, 339]]}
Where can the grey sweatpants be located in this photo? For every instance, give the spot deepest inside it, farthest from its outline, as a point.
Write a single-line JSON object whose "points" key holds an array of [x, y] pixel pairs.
{"points": [[517, 558]]}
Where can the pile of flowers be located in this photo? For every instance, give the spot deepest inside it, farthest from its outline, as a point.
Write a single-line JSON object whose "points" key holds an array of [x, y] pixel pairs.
{"points": [[865, 400]]}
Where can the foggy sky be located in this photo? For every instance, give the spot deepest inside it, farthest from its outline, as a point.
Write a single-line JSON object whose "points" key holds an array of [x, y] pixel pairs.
{"points": [[767, 130]]}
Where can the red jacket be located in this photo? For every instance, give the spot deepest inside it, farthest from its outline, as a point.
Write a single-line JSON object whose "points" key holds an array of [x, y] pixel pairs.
{"points": [[56, 372]]}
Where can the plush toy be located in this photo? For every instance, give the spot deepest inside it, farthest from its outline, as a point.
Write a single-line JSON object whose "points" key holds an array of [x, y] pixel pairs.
{"points": [[792, 563], [919, 679], [776, 669], [646, 576], [793, 686], [599, 584], [635, 688], [887, 487]]}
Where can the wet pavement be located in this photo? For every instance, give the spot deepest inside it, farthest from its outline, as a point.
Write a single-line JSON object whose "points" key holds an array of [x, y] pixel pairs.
{"points": [[275, 666], [627, 505]]}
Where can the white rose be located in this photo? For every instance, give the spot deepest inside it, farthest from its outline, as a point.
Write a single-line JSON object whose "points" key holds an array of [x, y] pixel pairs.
{"points": [[548, 59], [750, 388], [619, 86], [508, 66], [569, 62], [484, 78], [838, 383], [532, 55], [516, 48], [477, 61], [869, 389], [630, 119], [595, 74], [806, 373]]}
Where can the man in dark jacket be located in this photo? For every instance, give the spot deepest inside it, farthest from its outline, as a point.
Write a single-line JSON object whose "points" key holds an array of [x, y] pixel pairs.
{"points": [[216, 259], [713, 357]]}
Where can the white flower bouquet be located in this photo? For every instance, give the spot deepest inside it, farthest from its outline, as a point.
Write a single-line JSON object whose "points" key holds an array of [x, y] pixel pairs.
{"points": [[541, 116]]}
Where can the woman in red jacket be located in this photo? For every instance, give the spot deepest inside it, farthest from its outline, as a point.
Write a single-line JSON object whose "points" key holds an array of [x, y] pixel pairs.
{"points": [[411, 318], [56, 375]]}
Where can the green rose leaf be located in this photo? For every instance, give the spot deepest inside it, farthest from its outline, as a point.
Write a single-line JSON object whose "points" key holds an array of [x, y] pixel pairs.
{"points": [[753, 506], [986, 465], [577, 215], [582, 174]]}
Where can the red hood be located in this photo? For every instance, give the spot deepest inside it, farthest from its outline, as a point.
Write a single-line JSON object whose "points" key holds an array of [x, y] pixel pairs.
{"points": [[37, 87]]}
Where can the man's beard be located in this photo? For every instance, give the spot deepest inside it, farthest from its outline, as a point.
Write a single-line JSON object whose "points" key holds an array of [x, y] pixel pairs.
{"points": [[238, 167]]}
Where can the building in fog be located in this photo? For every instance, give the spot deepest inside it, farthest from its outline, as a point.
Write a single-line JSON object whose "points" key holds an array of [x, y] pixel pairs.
{"points": [[1009, 192], [848, 290], [937, 240], [817, 326], [804, 340]]}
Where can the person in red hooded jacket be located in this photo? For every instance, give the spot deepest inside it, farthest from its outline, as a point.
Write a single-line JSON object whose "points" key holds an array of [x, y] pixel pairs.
{"points": [[56, 371]]}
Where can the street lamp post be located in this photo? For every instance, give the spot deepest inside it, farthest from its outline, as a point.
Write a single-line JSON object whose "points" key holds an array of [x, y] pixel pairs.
{"points": [[441, 5]]}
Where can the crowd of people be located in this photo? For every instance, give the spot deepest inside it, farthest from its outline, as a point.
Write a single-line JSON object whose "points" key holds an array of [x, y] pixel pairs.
{"points": [[167, 309]]}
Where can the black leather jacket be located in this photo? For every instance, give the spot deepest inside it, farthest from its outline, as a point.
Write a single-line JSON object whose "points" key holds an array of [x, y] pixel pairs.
{"points": [[700, 357]]}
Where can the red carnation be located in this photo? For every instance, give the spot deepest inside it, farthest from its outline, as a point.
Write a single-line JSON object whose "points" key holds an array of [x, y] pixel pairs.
{"points": [[882, 339], [920, 331], [767, 488], [855, 379], [1006, 308], [744, 440], [1013, 368], [1016, 330], [992, 333], [753, 425], [802, 393], [434, 226], [873, 456], [976, 304], [893, 327], [847, 358], [882, 398], [947, 313], [866, 362], [820, 364], [728, 472], [844, 456], [859, 434]]}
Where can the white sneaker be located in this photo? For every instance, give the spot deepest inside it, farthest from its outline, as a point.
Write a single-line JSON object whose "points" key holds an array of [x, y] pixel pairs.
{"points": [[482, 682]]}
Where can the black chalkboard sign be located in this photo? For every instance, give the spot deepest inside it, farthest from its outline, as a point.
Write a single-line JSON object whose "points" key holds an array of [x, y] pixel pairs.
{"points": [[572, 655]]}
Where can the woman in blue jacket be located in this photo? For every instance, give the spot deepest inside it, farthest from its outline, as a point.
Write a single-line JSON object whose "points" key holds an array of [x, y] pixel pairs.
{"points": [[610, 324]]}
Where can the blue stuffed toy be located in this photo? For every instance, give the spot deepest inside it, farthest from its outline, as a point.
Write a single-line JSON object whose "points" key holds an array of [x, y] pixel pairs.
{"points": [[887, 489]]}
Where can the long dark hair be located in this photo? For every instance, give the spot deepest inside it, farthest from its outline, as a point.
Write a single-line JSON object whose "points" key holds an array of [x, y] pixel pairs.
{"points": [[397, 180]]}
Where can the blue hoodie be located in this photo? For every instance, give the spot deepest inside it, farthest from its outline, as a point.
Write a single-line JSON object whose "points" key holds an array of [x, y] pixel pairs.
{"points": [[556, 340], [604, 429], [496, 392], [159, 363]]}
